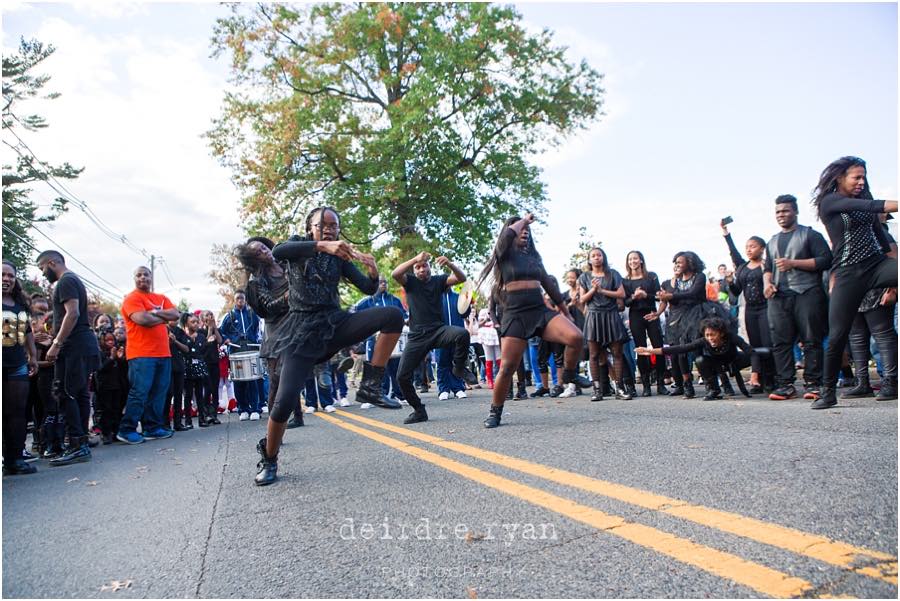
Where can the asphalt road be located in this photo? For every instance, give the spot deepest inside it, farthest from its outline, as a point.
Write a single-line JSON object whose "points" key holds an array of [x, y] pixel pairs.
{"points": [[613, 499]]}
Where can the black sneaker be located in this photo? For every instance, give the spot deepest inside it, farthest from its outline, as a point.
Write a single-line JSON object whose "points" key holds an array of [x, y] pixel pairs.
{"points": [[557, 390], [18, 467], [28, 457], [860, 391], [465, 374], [756, 389], [79, 454], [783, 393], [345, 365], [888, 390], [294, 422], [689, 390], [540, 392], [826, 399], [811, 392], [521, 394]]}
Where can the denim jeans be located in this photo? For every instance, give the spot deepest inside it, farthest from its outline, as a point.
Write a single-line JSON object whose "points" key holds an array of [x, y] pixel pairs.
{"points": [[247, 395], [149, 379], [446, 381]]}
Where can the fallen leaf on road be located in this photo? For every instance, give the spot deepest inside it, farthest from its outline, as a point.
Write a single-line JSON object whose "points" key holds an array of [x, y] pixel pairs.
{"points": [[134, 476], [695, 446], [92, 483], [143, 469], [166, 450], [72, 480], [835, 412], [473, 537], [450, 431], [472, 593], [116, 585]]}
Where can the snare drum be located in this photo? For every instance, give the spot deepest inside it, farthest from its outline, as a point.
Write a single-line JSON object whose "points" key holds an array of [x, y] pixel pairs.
{"points": [[246, 366]]}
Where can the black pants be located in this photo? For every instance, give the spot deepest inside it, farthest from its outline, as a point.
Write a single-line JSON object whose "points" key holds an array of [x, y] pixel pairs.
{"points": [[212, 386], [196, 388], [759, 334], [850, 286], [803, 317], [35, 408], [545, 349], [111, 403], [641, 329], [878, 324], [53, 427], [710, 367], [418, 346], [295, 369], [174, 396], [15, 419], [70, 383]]}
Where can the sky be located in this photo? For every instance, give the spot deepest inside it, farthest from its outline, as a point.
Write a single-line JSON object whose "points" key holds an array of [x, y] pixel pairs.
{"points": [[711, 110]]}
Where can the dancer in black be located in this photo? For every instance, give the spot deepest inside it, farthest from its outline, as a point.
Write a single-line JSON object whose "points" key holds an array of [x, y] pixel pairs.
{"points": [[317, 328], [748, 280], [717, 349], [641, 287], [518, 274], [599, 289], [860, 262], [424, 293], [267, 295]]}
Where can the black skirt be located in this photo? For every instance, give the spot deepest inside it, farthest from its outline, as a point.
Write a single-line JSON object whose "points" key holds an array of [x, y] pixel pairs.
{"points": [[307, 333], [525, 314], [604, 327]]}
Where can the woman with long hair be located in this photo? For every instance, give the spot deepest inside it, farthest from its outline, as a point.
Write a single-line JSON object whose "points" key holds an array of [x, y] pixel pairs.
{"points": [[747, 279], [641, 287], [518, 275], [210, 331], [600, 288], [19, 364], [859, 246], [316, 327], [196, 376]]}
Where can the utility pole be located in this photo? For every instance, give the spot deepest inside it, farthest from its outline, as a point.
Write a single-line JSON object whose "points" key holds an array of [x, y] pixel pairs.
{"points": [[152, 271]]}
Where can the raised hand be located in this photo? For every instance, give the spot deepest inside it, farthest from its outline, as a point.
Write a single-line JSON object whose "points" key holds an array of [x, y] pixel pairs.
{"points": [[338, 248], [442, 261]]}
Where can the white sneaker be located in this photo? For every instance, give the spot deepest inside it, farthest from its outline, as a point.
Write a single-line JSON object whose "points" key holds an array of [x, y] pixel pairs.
{"points": [[254, 417], [330, 409], [309, 410], [265, 408], [461, 394], [443, 396], [344, 402], [570, 391], [244, 416], [366, 406]]}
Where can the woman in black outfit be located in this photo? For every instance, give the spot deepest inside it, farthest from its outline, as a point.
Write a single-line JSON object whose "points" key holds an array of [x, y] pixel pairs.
{"points": [[599, 289], [108, 386], [748, 279], [641, 287], [518, 274], [211, 357], [178, 347], [316, 327], [859, 247], [196, 376]]}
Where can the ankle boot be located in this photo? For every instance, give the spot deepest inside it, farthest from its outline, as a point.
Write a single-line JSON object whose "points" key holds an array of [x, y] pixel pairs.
{"points": [[620, 392], [713, 392], [826, 399], [598, 392], [646, 388], [689, 389], [862, 388], [493, 419], [888, 390], [417, 416], [370, 388], [727, 388], [267, 468]]}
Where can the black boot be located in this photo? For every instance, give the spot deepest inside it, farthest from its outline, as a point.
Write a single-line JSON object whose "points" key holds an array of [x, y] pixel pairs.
{"points": [[78, 452], [521, 392], [620, 391], [888, 390], [713, 393], [598, 392], [826, 399], [689, 389], [679, 388], [862, 388], [296, 420], [370, 388], [509, 393], [267, 468], [493, 419], [661, 389], [417, 416], [646, 388], [465, 374]]}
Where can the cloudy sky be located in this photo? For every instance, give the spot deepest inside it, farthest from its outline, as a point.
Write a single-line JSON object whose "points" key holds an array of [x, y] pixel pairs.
{"points": [[712, 110]]}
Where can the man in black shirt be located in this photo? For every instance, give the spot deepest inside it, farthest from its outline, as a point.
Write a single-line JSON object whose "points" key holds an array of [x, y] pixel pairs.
{"points": [[74, 353], [426, 325], [797, 307]]}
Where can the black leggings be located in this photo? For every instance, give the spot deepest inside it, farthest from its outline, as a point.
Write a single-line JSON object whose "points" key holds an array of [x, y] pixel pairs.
{"points": [[212, 384], [850, 286], [547, 348], [879, 324], [711, 367], [641, 329], [174, 396], [15, 399], [295, 369], [196, 388], [757, 321], [112, 404]]}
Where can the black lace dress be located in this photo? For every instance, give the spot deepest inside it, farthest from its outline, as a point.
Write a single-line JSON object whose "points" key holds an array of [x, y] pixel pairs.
{"points": [[315, 307]]}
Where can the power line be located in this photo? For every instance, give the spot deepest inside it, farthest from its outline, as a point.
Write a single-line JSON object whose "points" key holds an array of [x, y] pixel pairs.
{"points": [[37, 229], [96, 287]]}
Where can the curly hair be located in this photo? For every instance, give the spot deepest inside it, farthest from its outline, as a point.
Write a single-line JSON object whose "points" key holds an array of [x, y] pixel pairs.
{"points": [[695, 264], [828, 181]]}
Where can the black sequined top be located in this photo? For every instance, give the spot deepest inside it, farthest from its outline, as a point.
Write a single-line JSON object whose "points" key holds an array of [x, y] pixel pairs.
{"points": [[746, 279]]}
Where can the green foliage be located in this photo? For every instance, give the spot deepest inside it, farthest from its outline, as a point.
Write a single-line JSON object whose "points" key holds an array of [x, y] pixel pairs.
{"points": [[20, 212], [579, 260], [414, 120]]}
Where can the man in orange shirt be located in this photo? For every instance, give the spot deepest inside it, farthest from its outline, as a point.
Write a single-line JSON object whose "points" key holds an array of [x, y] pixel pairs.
{"points": [[149, 360]]}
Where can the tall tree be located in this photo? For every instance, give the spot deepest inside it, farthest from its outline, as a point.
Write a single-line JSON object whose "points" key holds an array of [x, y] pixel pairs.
{"points": [[415, 120], [20, 212]]}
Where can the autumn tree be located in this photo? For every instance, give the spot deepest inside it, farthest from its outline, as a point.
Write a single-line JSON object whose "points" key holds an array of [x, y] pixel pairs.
{"points": [[20, 212], [415, 120]]}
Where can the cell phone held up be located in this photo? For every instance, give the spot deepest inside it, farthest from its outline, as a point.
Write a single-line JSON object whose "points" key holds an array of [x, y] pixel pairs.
{"points": [[727, 220]]}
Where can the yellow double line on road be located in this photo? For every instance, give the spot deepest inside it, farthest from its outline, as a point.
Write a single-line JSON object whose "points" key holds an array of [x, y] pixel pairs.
{"points": [[760, 578]]}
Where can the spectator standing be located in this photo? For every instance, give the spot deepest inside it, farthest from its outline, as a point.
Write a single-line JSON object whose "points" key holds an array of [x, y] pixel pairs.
{"points": [[74, 353], [449, 384], [149, 360]]}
